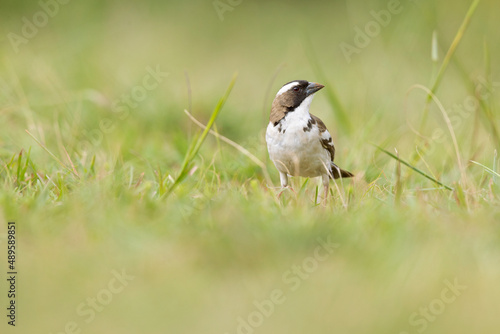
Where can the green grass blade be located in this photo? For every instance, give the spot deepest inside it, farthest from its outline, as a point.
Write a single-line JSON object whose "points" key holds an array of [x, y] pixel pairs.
{"points": [[316, 196], [303, 187], [454, 45], [196, 144], [451, 51], [92, 166], [413, 168]]}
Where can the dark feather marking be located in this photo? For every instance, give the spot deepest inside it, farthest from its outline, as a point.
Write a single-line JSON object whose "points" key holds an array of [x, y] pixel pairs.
{"points": [[309, 125], [280, 127], [321, 125], [327, 145]]}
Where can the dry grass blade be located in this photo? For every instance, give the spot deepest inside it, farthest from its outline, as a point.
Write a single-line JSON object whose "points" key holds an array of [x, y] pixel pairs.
{"points": [[240, 148], [450, 129], [70, 161], [489, 170], [52, 154]]}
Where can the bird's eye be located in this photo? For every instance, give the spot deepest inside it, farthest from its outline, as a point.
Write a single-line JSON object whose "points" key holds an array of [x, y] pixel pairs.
{"points": [[295, 89]]}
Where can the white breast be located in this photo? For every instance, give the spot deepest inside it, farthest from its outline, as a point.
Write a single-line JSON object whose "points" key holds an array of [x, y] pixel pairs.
{"points": [[295, 151]]}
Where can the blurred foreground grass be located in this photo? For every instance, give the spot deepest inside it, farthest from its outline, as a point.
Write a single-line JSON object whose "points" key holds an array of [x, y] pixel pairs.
{"points": [[221, 243]]}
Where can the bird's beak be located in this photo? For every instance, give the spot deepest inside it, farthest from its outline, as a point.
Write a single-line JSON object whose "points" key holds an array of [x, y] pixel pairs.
{"points": [[313, 88]]}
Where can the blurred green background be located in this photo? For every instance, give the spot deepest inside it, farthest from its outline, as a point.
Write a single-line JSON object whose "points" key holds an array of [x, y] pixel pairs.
{"points": [[88, 198]]}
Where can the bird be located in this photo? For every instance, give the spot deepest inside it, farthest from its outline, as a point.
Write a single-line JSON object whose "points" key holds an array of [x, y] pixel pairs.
{"points": [[298, 142]]}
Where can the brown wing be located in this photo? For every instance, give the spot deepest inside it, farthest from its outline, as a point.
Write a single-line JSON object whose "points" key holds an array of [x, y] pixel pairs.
{"points": [[278, 111], [327, 141]]}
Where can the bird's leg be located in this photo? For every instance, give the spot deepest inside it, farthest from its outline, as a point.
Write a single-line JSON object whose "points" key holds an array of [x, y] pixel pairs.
{"points": [[284, 183], [326, 185], [283, 180]]}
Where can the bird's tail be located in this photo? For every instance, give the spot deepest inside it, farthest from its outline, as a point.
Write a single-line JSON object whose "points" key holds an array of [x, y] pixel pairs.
{"points": [[340, 173]]}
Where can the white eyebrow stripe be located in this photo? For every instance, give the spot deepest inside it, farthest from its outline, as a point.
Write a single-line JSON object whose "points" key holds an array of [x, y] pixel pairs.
{"points": [[285, 88]]}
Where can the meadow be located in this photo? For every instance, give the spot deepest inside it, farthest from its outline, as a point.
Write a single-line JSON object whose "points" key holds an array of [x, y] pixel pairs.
{"points": [[131, 218]]}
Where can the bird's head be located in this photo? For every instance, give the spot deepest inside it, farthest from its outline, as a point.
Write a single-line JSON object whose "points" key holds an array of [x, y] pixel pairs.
{"points": [[293, 93]]}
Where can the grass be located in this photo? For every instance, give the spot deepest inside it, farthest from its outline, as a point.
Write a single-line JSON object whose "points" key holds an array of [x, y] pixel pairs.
{"points": [[196, 144], [449, 55], [193, 214], [414, 168]]}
